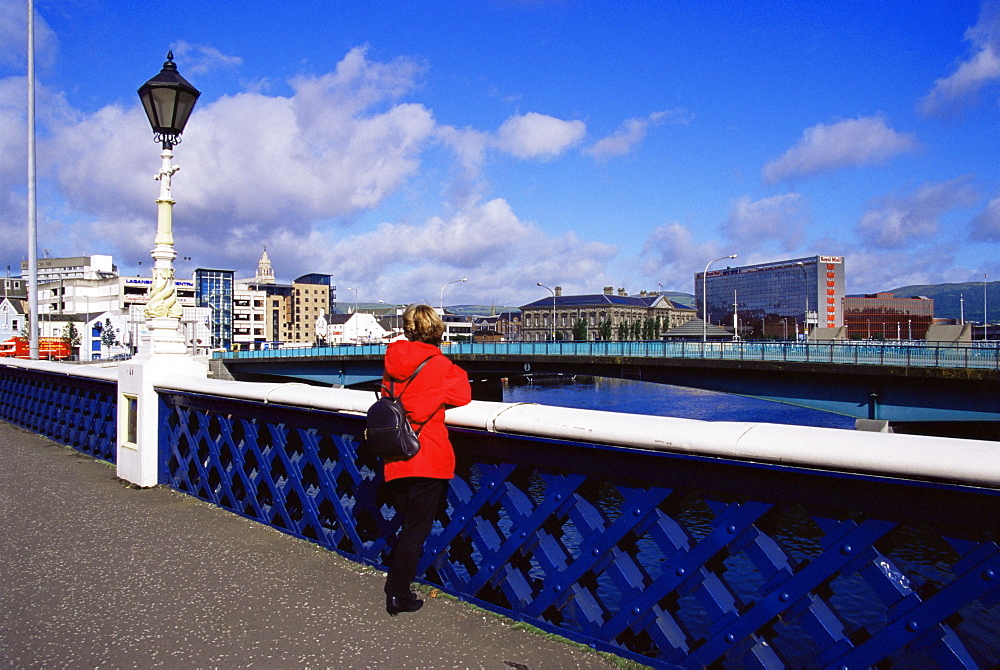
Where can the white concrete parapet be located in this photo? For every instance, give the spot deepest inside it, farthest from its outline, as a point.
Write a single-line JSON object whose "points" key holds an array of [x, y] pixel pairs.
{"points": [[968, 462], [108, 372]]}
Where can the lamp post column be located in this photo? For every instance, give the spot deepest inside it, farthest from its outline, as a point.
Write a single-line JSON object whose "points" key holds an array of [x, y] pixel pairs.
{"points": [[167, 99], [163, 312]]}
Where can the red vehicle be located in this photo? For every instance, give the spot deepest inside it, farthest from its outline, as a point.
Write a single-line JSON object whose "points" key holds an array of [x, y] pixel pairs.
{"points": [[48, 348]]}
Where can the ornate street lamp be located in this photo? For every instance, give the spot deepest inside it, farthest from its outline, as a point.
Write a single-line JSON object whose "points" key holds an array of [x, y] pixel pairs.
{"points": [[168, 99]]}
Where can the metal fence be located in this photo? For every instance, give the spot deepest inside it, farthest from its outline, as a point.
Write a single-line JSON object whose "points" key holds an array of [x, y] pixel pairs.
{"points": [[78, 411], [674, 560], [976, 355]]}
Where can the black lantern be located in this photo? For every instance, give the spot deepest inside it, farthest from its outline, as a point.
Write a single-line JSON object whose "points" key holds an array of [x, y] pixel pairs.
{"points": [[168, 99]]}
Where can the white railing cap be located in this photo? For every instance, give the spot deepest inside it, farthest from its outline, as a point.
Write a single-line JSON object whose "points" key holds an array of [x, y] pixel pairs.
{"points": [[967, 462]]}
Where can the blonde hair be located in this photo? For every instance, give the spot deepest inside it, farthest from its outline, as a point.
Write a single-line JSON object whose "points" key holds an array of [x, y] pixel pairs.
{"points": [[422, 324]]}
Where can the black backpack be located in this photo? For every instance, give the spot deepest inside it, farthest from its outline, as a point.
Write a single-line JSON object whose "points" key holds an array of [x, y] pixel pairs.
{"points": [[389, 434]]}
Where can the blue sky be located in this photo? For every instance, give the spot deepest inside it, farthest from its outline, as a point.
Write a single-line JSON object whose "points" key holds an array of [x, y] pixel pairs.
{"points": [[399, 146]]}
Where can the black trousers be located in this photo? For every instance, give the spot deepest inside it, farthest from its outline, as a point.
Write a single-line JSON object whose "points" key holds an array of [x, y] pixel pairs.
{"points": [[418, 500]]}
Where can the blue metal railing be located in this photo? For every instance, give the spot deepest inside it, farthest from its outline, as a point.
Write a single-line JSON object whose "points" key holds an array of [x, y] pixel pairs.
{"points": [[78, 411], [984, 355], [673, 560]]}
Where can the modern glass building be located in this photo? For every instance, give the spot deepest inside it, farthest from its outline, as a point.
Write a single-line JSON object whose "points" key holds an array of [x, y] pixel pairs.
{"points": [[214, 288], [782, 299], [883, 316]]}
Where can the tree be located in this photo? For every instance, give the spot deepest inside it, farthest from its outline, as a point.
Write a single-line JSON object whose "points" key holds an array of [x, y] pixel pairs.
{"points": [[72, 336], [622, 331], [604, 329], [647, 328], [109, 336], [580, 329]]}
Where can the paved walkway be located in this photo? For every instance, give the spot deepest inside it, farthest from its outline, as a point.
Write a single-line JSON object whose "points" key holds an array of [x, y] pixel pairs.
{"points": [[95, 574]]}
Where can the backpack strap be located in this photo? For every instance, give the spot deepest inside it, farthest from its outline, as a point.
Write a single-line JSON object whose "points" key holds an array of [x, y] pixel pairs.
{"points": [[407, 380]]}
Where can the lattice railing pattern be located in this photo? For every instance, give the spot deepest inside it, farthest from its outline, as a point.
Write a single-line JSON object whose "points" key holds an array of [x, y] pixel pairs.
{"points": [[673, 561], [80, 412]]}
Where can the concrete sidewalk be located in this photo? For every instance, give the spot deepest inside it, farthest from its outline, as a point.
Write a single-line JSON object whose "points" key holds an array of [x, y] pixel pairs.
{"points": [[96, 574]]}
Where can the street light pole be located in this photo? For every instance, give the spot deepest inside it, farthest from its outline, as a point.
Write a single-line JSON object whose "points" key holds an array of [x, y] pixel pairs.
{"points": [[355, 298], [441, 297], [553, 328], [985, 321], [704, 296], [805, 317], [168, 100]]}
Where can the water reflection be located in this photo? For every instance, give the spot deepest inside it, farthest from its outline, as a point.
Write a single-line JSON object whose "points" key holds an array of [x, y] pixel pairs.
{"points": [[635, 397]]}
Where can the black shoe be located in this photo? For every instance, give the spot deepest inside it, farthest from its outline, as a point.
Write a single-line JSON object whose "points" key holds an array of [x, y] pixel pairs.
{"points": [[408, 603]]}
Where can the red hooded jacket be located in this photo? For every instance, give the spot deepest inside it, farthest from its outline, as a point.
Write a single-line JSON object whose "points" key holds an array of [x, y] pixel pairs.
{"points": [[440, 384]]}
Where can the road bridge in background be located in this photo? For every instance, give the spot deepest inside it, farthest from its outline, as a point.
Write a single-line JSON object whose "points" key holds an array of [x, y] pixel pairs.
{"points": [[928, 389]]}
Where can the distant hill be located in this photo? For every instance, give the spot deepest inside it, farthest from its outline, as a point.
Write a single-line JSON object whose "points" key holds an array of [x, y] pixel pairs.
{"points": [[948, 299]]}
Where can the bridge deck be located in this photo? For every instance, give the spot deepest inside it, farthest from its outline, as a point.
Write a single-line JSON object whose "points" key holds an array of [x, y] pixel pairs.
{"points": [[189, 585]]}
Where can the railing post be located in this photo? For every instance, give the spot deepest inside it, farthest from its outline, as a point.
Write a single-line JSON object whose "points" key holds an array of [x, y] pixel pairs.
{"points": [[138, 449]]}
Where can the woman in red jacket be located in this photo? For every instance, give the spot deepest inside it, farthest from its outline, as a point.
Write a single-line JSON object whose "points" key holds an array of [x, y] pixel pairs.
{"points": [[417, 487]]}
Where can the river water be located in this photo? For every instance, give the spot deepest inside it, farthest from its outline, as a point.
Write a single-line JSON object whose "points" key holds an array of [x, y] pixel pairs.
{"points": [[980, 623], [635, 397]]}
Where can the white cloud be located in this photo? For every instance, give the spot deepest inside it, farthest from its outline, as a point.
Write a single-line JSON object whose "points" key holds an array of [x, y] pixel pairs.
{"points": [[982, 67], [986, 224], [632, 132], [848, 143], [201, 59], [535, 135], [779, 218], [895, 223], [14, 37], [256, 163], [485, 242], [672, 257]]}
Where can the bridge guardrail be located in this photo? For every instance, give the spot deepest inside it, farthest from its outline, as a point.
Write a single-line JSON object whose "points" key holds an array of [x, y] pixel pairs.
{"points": [[674, 555], [857, 353], [72, 404]]}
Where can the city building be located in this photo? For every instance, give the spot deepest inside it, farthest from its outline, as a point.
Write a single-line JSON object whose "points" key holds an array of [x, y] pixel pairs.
{"points": [[14, 287], [310, 299], [74, 267], [12, 319], [249, 318], [509, 326], [318, 279], [214, 289], [355, 328], [604, 316], [457, 328], [287, 313], [780, 299], [88, 301], [883, 316]]}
